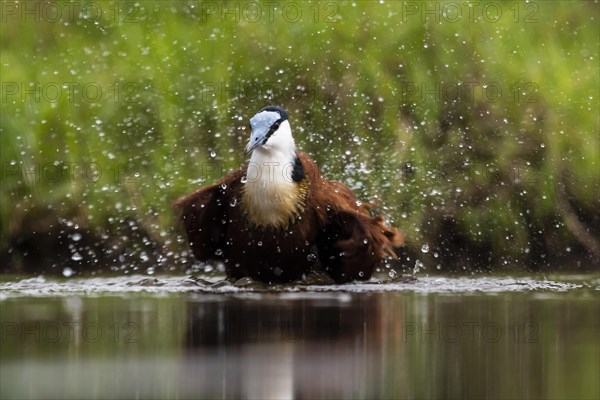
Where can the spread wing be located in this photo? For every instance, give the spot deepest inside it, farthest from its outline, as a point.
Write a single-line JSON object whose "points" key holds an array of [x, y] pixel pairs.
{"points": [[204, 215], [351, 242]]}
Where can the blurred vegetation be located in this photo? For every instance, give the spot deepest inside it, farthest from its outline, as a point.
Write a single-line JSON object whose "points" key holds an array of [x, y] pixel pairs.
{"points": [[476, 125]]}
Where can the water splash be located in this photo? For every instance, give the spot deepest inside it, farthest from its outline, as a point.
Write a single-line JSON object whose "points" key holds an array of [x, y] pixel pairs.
{"points": [[163, 284]]}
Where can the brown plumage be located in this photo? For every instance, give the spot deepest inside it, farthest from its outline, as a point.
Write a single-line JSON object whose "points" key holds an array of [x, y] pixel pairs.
{"points": [[308, 222]]}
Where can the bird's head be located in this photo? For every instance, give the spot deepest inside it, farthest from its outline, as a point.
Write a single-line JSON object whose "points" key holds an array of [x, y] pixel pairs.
{"points": [[270, 130]]}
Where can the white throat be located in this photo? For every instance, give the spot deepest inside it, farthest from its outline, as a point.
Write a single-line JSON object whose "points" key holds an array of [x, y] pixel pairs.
{"points": [[270, 195], [273, 162]]}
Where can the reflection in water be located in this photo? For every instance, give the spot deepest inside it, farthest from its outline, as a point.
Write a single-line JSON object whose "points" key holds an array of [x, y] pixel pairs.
{"points": [[322, 318], [302, 345], [286, 348]]}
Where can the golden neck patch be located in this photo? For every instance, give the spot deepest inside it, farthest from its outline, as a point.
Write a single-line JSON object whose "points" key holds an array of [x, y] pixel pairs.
{"points": [[273, 205]]}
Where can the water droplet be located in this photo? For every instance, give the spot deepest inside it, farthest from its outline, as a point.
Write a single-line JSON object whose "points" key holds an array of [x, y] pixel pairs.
{"points": [[76, 257], [244, 179], [259, 243], [213, 154], [67, 272], [223, 186], [311, 257], [418, 266], [218, 252], [76, 237], [425, 248], [361, 274], [392, 273], [233, 202]]}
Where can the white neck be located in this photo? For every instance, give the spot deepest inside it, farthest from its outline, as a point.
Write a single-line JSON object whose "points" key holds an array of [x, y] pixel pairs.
{"points": [[270, 194], [280, 148]]}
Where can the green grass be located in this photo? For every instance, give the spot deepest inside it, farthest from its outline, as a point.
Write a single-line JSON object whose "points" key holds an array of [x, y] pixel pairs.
{"points": [[486, 168]]}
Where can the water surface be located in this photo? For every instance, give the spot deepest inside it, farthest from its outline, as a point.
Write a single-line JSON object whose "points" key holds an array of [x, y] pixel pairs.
{"points": [[175, 337]]}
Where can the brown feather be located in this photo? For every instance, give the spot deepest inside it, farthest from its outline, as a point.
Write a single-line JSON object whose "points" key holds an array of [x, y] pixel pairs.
{"points": [[332, 230]]}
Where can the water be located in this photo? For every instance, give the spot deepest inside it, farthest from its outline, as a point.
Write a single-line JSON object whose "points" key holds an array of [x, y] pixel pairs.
{"points": [[176, 337]]}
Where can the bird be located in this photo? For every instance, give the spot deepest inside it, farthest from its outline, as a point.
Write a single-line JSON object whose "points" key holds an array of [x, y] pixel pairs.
{"points": [[276, 218]]}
